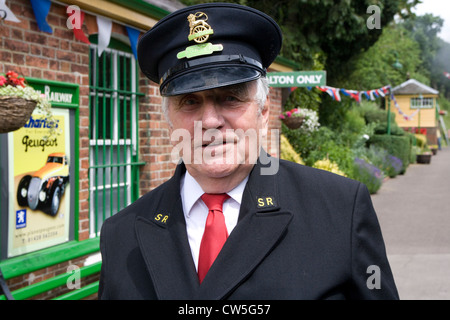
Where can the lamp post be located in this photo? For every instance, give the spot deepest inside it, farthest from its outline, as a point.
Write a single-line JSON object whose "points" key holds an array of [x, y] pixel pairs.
{"points": [[396, 65]]}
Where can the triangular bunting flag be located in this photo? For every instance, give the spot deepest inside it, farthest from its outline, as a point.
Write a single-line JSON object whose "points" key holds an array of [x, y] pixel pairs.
{"points": [[75, 22], [333, 92], [6, 13], [41, 9], [104, 33], [133, 35]]}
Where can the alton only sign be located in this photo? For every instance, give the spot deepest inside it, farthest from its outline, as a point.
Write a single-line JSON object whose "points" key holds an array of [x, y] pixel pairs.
{"points": [[297, 79]]}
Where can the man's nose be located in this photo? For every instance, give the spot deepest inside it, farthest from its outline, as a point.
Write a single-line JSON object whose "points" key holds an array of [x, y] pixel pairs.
{"points": [[212, 117]]}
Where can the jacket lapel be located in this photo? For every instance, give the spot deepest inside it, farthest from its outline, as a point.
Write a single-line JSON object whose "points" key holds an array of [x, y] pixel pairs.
{"points": [[261, 226], [161, 233]]}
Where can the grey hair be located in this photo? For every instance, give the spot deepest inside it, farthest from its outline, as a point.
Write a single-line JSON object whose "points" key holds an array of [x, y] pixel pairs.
{"points": [[262, 92]]}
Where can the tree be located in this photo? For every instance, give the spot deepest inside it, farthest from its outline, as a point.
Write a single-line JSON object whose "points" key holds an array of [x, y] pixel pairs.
{"points": [[425, 30], [441, 64], [324, 31], [375, 67]]}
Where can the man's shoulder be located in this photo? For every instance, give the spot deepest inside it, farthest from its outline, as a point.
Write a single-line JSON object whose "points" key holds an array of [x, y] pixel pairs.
{"points": [[294, 173], [142, 204], [292, 168]]}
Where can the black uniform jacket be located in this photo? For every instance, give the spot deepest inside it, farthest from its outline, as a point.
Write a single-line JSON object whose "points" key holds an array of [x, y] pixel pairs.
{"points": [[302, 233]]}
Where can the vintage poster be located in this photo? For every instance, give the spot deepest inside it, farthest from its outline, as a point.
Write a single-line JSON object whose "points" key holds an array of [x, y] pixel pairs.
{"points": [[39, 185]]}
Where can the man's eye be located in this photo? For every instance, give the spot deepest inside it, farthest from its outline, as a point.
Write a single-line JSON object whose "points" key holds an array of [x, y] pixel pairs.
{"points": [[188, 103], [230, 98]]}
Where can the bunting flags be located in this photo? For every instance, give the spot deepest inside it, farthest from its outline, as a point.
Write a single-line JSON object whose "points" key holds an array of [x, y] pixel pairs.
{"points": [[353, 94], [6, 13], [333, 92], [133, 35], [369, 95], [404, 115], [75, 22], [104, 33], [41, 9], [356, 95]]}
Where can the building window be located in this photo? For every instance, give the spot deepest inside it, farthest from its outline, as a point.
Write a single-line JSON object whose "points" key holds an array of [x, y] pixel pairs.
{"points": [[422, 103], [113, 154]]}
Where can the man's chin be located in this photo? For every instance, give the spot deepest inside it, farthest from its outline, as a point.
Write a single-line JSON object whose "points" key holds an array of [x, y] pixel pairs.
{"points": [[216, 170]]}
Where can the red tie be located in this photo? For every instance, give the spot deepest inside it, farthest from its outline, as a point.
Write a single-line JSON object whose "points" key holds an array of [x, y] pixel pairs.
{"points": [[215, 233]]}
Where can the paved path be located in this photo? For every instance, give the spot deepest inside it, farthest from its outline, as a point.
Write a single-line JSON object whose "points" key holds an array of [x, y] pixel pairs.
{"points": [[414, 213]]}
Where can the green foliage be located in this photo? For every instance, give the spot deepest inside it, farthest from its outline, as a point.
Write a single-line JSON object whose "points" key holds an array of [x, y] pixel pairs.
{"points": [[424, 30], [319, 145], [374, 68], [382, 128], [303, 98], [421, 140], [398, 146], [391, 166], [318, 32], [368, 174], [441, 63], [287, 152]]}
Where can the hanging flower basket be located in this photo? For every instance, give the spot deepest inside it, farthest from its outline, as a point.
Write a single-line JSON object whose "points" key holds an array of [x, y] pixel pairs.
{"points": [[17, 102], [14, 113], [293, 122], [305, 119]]}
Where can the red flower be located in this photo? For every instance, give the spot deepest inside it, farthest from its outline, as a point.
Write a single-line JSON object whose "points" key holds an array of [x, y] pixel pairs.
{"points": [[12, 74], [12, 79]]}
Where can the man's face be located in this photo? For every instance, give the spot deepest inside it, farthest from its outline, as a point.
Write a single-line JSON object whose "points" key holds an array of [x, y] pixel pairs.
{"points": [[221, 129]]}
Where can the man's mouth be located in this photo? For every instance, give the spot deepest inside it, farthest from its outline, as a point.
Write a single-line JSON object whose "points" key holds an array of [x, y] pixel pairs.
{"points": [[213, 144]]}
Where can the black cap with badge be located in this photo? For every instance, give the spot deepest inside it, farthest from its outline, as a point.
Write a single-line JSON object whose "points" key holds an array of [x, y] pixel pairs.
{"points": [[207, 46]]}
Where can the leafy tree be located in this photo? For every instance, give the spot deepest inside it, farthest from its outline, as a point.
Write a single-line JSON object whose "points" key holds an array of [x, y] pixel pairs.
{"points": [[324, 31], [375, 67], [424, 30]]}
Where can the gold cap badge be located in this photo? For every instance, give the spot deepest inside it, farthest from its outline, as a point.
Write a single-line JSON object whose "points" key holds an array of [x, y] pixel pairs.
{"points": [[199, 31]]}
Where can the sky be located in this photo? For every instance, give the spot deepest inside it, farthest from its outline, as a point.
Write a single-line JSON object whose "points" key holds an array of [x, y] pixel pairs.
{"points": [[439, 8]]}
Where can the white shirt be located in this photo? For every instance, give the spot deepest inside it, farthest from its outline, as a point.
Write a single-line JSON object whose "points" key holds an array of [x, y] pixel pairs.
{"points": [[196, 211]]}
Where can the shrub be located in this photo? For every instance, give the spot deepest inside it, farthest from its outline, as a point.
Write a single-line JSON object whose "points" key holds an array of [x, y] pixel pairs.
{"points": [[328, 165], [421, 140], [389, 164], [398, 146], [378, 116], [381, 128], [368, 174], [287, 152]]}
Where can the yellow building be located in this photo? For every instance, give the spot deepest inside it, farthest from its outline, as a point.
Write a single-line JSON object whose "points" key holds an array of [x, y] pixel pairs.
{"points": [[414, 106]]}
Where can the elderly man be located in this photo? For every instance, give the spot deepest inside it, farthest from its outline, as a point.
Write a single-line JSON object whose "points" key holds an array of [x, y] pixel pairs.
{"points": [[221, 228]]}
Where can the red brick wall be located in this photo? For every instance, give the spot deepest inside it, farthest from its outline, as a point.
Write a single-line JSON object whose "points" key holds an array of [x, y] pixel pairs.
{"points": [[154, 139], [59, 57]]}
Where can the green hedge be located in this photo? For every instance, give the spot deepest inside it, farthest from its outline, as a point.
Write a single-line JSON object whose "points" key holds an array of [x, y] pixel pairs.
{"points": [[378, 115], [398, 146]]}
